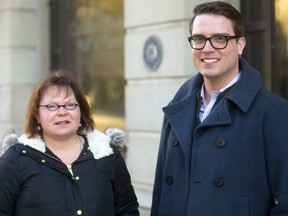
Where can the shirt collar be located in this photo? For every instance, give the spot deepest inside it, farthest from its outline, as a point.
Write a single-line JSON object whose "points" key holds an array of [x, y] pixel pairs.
{"points": [[217, 92]]}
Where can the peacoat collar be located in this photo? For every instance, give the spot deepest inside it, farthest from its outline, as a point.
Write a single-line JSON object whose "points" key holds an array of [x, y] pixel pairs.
{"points": [[242, 94], [180, 112]]}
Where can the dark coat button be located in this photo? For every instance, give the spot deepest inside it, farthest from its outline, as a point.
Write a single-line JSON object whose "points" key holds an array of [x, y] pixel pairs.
{"points": [[219, 182], [220, 142], [169, 180], [175, 141]]}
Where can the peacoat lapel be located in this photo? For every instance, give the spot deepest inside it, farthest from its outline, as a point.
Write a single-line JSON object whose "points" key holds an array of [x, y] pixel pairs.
{"points": [[181, 117]]}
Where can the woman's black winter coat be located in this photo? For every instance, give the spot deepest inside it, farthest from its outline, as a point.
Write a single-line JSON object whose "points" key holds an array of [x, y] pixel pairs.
{"points": [[34, 182]]}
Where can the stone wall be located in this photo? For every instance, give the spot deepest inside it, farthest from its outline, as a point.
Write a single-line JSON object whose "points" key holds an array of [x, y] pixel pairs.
{"points": [[24, 56]]}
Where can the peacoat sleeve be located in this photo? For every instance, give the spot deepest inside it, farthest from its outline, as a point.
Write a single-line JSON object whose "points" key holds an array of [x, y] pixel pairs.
{"points": [[276, 152], [126, 203], [9, 182]]}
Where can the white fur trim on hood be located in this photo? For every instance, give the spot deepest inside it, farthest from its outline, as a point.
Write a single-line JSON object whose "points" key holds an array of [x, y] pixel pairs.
{"points": [[8, 139], [99, 143], [35, 143]]}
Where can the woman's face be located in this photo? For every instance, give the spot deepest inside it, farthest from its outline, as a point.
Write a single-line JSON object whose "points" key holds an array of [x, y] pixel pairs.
{"points": [[60, 123]]}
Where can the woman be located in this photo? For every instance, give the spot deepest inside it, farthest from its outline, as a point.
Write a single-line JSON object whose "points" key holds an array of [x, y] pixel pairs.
{"points": [[62, 165]]}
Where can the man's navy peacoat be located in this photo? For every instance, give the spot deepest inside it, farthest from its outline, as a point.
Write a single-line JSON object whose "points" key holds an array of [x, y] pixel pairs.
{"points": [[234, 163]]}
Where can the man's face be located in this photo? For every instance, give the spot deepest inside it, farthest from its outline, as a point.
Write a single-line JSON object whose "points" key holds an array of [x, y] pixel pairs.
{"points": [[218, 66]]}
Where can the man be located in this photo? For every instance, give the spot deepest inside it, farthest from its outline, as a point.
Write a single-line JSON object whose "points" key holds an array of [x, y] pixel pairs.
{"points": [[224, 141]]}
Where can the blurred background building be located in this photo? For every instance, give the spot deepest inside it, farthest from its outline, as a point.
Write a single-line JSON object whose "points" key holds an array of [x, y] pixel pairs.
{"points": [[129, 56]]}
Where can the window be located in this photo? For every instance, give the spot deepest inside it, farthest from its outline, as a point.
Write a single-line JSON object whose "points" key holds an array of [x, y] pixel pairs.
{"points": [[87, 38]]}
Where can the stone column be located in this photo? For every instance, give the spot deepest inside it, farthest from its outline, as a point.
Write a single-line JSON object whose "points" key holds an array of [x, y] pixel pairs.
{"points": [[155, 31], [24, 57]]}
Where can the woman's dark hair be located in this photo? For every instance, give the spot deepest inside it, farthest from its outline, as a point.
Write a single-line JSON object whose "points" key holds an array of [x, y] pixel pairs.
{"points": [[220, 8], [60, 78]]}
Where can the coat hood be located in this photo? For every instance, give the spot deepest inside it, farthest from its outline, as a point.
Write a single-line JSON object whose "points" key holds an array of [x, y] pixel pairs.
{"points": [[99, 143]]}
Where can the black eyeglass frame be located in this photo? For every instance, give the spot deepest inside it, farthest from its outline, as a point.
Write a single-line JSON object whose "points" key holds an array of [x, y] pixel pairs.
{"points": [[57, 106], [227, 38]]}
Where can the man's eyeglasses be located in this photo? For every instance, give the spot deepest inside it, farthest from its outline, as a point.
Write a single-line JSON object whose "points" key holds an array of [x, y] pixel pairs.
{"points": [[198, 42], [54, 106]]}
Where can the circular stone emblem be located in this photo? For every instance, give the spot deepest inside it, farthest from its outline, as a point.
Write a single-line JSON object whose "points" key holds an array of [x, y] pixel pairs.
{"points": [[153, 52]]}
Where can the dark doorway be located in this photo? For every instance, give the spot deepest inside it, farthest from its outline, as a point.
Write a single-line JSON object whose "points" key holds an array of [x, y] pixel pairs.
{"points": [[267, 41]]}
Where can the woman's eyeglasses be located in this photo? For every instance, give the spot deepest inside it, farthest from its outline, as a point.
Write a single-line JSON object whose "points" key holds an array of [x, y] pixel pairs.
{"points": [[55, 106]]}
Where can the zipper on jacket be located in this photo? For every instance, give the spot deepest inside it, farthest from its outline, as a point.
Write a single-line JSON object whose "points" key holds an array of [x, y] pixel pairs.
{"points": [[69, 166], [70, 169]]}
